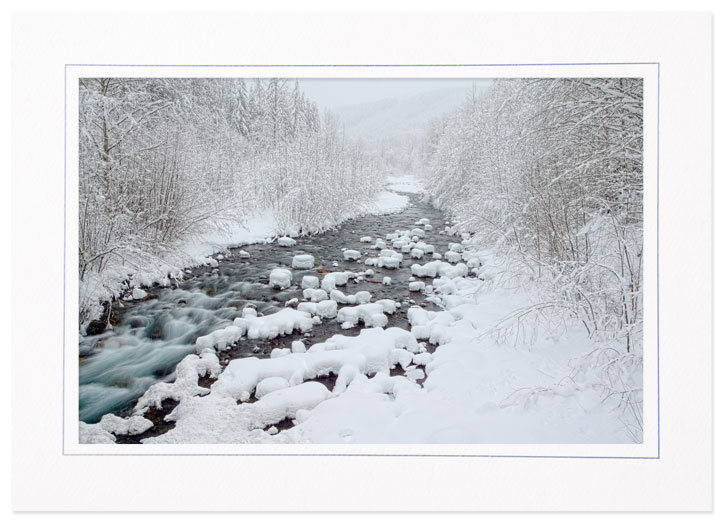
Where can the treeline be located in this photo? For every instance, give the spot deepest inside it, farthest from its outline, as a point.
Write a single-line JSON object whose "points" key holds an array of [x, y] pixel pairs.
{"points": [[164, 160], [549, 171]]}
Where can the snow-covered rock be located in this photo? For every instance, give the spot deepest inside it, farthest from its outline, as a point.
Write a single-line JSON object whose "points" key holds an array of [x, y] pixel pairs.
{"points": [[310, 281], [315, 295], [303, 262], [286, 241], [351, 255], [280, 278]]}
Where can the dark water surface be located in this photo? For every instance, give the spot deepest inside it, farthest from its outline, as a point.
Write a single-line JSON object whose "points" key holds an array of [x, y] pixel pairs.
{"points": [[152, 336]]}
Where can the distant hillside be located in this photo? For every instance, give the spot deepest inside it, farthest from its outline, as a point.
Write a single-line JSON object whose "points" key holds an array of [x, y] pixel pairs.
{"points": [[396, 117]]}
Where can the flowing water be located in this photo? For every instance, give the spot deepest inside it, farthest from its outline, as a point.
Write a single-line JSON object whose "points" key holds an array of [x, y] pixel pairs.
{"points": [[152, 336]]}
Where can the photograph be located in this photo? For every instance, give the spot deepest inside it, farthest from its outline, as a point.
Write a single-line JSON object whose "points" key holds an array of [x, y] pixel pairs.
{"points": [[281, 260]]}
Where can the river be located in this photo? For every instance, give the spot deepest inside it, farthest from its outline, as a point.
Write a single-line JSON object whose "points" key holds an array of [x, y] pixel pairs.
{"points": [[151, 337]]}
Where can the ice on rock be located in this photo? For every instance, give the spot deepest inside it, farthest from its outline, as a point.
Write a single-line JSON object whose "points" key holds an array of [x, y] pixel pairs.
{"points": [[280, 278], [436, 256], [303, 262], [286, 241], [428, 228], [298, 347], [351, 255], [370, 272], [417, 232], [244, 254], [366, 239], [314, 294], [422, 222], [138, 293], [379, 244], [415, 253], [387, 281], [310, 281]]}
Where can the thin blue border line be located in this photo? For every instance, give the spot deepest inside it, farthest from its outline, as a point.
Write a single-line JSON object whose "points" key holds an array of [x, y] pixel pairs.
{"points": [[65, 189]]}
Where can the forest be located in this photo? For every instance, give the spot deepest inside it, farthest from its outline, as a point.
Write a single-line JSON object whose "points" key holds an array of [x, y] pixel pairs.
{"points": [[166, 160]]}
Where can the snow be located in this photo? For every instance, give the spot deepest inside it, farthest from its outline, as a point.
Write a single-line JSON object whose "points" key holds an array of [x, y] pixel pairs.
{"points": [[314, 295], [310, 281], [286, 241], [351, 255], [270, 384], [416, 286], [280, 278], [279, 323], [335, 279], [110, 426], [388, 202], [325, 309], [303, 262], [185, 385], [370, 314], [468, 378], [361, 297], [138, 293]]}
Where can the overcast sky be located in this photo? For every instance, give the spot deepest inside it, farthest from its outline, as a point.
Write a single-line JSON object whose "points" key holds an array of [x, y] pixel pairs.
{"points": [[339, 92]]}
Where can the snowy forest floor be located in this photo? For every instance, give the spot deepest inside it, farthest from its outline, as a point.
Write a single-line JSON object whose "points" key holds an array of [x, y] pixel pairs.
{"points": [[461, 370]]}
